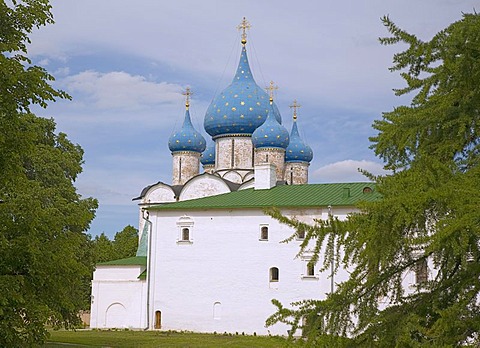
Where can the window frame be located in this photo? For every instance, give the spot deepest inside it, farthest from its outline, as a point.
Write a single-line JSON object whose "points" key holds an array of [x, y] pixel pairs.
{"points": [[309, 272], [185, 222]]}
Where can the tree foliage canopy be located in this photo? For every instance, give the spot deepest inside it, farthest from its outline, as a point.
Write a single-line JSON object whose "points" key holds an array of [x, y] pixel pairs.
{"points": [[45, 254], [123, 245], [429, 210]]}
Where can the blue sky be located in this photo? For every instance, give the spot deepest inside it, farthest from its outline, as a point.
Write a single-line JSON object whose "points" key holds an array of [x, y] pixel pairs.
{"points": [[125, 63]]}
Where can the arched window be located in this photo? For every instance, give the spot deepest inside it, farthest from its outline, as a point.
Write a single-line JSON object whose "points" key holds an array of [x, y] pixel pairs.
{"points": [[217, 310], [274, 274], [185, 234], [264, 233]]}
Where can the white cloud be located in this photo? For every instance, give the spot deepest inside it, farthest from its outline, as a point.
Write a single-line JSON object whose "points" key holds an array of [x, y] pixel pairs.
{"points": [[347, 171], [44, 62], [64, 71], [120, 90]]}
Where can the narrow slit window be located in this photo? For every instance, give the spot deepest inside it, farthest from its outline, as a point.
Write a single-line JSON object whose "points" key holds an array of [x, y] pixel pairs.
{"points": [[180, 169], [232, 159]]}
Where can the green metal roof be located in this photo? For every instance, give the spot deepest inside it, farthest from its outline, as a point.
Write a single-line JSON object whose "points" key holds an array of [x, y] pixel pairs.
{"points": [[130, 261], [284, 196]]}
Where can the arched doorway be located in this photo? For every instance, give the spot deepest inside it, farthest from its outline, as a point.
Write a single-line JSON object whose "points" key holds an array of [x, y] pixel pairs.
{"points": [[115, 316], [158, 320]]}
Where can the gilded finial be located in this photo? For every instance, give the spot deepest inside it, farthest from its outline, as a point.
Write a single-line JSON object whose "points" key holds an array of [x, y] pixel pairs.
{"points": [[270, 90], [244, 26], [188, 92], [295, 106]]}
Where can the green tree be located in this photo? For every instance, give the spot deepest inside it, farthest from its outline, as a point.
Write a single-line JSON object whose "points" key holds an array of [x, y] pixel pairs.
{"points": [[429, 210], [124, 245], [103, 249], [45, 254], [126, 242]]}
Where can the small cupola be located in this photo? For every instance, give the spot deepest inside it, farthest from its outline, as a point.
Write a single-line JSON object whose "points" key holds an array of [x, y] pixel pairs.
{"points": [[187, 138], [297, 150], [271, 134]]}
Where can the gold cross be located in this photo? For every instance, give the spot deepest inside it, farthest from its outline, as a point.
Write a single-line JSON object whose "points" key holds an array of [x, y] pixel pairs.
{"points": [[244, 26], [295, 106], [188, 92], [270, 90]]}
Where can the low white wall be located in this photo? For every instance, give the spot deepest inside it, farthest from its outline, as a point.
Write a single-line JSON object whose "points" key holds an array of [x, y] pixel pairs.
{"points": [[118, 298]]}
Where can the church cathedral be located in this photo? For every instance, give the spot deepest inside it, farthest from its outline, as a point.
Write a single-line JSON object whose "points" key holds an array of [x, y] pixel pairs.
{"points": [[209, 258]]}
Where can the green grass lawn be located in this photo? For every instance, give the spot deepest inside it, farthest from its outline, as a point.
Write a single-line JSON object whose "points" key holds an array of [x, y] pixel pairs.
{"points": [[148, 339]]}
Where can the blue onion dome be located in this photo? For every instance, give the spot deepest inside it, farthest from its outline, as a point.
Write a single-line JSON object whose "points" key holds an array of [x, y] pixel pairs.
{"points": [[271, 133], [297, 150], [187, 138], [208, 156], [242, 107]]}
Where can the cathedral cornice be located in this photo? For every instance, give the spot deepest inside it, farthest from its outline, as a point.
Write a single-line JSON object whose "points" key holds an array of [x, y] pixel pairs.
{"points": [[197, 154], [234, 135], [275, 149]]}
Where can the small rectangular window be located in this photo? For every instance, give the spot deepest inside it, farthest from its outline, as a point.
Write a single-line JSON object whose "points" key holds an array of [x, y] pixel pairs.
{"points": [[274, 274], [310, 270], [185, 234]]}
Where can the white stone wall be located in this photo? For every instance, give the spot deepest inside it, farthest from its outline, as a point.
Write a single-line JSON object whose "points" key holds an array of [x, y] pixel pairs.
{"points": [[297, 171], [203, 186], [219, 279], [265, 176], [118, 298], [274, 156], [159, 193], [185, 166], [238, 147]]}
